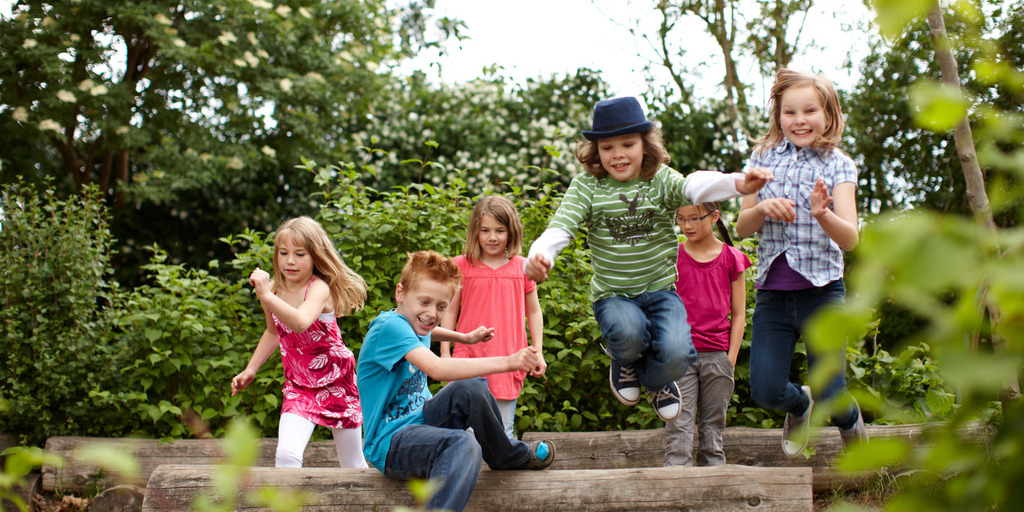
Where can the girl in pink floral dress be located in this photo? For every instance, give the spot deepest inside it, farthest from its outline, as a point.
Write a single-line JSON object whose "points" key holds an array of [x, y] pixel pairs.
{"points": [[312, 286]]}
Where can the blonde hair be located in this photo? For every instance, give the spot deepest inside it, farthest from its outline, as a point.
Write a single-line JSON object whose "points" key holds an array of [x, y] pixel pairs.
{"points": [[787, 79], [503, 211], [430, 265], [348, 289], [655, 155]]}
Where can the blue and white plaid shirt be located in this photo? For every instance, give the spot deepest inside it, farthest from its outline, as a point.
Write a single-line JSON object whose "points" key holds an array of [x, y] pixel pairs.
{"points": [[808, 249]]}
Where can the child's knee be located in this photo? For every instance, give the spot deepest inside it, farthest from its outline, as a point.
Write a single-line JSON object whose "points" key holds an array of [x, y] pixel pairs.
{"points": [[464, 447], [767, 395], [287, 457]]}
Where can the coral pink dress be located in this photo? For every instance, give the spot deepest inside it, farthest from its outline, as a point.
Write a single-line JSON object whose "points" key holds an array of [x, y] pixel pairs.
{"points": [[495, 297], [319, 373]]}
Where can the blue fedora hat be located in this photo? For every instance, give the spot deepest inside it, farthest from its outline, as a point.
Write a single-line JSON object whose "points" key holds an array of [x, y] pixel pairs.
{"points": [[618, 116]]}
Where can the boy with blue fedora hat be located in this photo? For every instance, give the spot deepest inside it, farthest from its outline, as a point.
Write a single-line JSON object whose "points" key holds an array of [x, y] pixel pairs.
{"points": [[627, 199]]}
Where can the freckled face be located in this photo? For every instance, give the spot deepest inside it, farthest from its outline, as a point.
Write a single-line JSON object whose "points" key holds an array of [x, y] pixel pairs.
{"points": [[622, 156], [423, 304], [802, 116]]}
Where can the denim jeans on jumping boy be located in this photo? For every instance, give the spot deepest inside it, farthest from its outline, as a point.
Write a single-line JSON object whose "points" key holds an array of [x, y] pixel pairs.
{"points": [[778, 321], [442, 448], [650, 331]]}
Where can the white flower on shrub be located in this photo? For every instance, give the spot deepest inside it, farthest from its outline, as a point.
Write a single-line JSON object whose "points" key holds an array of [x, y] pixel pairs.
{"points": [[66, 96], [20, 114], [225, 38], [49, 124]]}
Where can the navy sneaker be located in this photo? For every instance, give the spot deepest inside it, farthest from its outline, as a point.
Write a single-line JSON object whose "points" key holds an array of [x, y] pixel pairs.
{"points": [[542, 454], [624, 382], [666, 402], [795, 434]]}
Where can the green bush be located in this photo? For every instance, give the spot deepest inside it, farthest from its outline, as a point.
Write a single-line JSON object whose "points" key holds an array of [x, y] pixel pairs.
{"points": [[56, 309], [191, 332]]}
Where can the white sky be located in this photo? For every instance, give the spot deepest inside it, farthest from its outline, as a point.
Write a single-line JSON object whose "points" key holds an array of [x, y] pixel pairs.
{"points": [[539, 38]]}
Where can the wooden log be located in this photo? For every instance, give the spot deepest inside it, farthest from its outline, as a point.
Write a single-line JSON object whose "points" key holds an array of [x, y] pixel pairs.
{"points": [[744, 446], [25, 492], [77, 476], [723, 488]]}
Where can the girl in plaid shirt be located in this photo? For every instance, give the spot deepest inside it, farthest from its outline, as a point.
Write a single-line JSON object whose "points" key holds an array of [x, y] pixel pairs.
{"points": [[805, 219]]}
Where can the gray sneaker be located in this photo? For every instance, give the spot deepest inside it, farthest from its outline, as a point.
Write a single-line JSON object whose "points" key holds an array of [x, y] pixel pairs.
{"points": [[795, 434], [857, 434]]}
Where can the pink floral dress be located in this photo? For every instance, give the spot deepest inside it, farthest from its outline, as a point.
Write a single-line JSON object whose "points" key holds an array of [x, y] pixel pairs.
{"points": [[319, 373]]}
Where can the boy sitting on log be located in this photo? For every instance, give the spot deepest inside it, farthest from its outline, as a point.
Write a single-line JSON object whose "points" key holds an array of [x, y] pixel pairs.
{"points": [[408, 433]]}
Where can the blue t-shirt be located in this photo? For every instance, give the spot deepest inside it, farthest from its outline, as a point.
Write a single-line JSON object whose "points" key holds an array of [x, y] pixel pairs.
{"points": [[391, 389]]}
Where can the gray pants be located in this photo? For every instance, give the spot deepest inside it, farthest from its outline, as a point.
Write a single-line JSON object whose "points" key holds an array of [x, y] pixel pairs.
{"points": [[709, 382]]}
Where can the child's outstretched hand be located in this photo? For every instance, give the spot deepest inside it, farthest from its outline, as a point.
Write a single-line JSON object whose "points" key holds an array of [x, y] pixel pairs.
{"points": [[479, 334], [525, 360], [537, 268], [241, 381], [753, 180], [260, 281]]}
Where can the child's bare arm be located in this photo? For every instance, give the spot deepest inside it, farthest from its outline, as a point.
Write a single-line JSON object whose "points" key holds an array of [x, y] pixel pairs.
{"points": [[297, 319], [451, 368], [475, 336], [267, 345], [451, 317], [535, 323]]}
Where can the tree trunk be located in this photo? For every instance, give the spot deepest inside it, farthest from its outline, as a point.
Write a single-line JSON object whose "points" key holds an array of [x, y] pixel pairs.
{"points": [[973, 175]]}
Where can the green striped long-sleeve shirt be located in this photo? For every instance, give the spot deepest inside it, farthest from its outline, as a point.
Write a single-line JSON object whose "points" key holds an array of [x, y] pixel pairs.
{"points": [[631, 230]]}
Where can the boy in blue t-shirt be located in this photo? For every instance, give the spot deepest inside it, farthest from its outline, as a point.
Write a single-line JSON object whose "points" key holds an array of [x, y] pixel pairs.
{"points": [[407, 432]]}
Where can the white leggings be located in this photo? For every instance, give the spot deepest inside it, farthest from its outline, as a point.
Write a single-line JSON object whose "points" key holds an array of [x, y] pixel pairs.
{"points": [[293, 436]]}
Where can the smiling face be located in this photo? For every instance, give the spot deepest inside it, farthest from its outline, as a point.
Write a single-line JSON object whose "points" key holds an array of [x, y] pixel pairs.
{"points": [[292, 261], [493, 237], [622, 156], [424, 303], [802, 116]]}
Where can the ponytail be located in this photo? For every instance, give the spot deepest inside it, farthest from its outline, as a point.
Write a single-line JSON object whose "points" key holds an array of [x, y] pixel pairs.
{"points": [[723, 230]]}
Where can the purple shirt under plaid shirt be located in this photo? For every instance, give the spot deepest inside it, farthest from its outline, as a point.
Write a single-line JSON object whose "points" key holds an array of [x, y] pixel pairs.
{"points": [[808, 249]]}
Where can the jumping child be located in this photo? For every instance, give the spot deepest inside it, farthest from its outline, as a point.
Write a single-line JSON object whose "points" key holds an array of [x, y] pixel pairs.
{"points": [[627, 199], [712, 285], [312, 286], [496, 292], [805, 219]]}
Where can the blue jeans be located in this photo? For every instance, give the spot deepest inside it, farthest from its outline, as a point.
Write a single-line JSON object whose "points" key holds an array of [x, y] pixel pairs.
{"points": [[442, 448], [650, 332], [778, 321]]}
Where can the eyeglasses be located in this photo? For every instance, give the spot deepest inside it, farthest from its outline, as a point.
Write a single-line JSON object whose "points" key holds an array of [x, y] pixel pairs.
{"points": [[692, 220]]}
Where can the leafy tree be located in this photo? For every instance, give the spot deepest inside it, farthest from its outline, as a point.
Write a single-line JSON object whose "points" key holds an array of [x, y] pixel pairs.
{"points": [[904, 164], [57, 305], [934, 264], [491, 131], [188, 114]]}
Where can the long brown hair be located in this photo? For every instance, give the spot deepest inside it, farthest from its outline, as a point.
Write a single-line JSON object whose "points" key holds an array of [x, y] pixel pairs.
{"points": [[348, 289], [505, 213], [787, 79], [655, 155]]}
